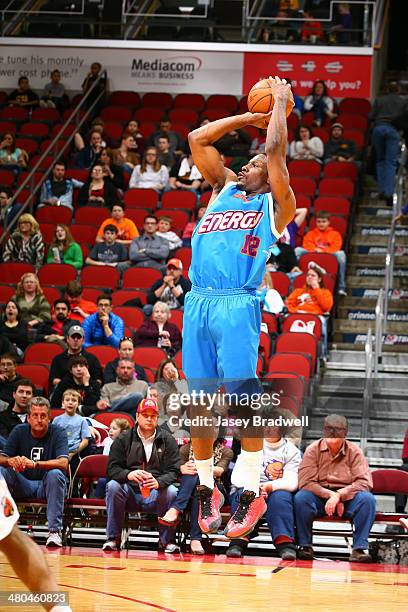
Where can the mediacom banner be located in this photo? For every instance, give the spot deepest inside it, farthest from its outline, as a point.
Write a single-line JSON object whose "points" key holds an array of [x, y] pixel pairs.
{"points": [[344, 75], [139, 70]]}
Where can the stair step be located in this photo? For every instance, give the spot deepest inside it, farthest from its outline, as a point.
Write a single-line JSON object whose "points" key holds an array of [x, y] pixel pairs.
{"points": [[373, 282], [370, 269], [368, 314], [375, 237]]}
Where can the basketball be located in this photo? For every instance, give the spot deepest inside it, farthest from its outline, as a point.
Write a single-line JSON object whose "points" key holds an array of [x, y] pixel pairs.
{"points": [[261, 100]]}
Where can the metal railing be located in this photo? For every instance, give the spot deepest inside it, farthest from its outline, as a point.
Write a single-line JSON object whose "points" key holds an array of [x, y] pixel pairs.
{"points": [[51, 149], [368, 391]]}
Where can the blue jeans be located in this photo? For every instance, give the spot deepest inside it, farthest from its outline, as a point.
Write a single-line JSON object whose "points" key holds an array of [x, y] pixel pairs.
{"points": [[52, 487], [120, 498], [2, 442], [341, 260], [279, 516], [360, 510], [386, 143]]}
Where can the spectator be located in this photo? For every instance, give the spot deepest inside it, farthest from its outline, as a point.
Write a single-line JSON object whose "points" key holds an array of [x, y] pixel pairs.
{"points": [[103, 327], [177, 144], [109, 252], [334, 479], [171, 289], [63, 249], [80, 308], [189, 229], [324, 239], [305, 145], [164, 155], [26, 244], [8, 210], [34, 462], [31, 300], [386, 139], [167, 372], [143, 461], [342, 30], [117, 426], [127, 230], [6, 346], [89, 81], [270, 299], [58, 190], [97, 125], [319, 103], [185, 174], [97, 191], [132, 128], [8, 377], [290, 232], [312, 30], [235, 143], [164, 231], [157, 331], [339, 149], [56, 328], [279, 481], [127, 156], [59, 368], [23, 96], [150, 174], [149, 250], [112, 172], [75, 426], [12, 157], [12, 328], [283, 259], [16, 413], [125, 394], [126, 351], [89, 155], [54, 92], [79, 379], [298, 108]]}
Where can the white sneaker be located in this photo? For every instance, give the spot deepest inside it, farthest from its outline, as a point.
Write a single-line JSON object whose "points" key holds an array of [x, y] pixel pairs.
{"points": [[54, 539], [342, 292], [111, 545]]}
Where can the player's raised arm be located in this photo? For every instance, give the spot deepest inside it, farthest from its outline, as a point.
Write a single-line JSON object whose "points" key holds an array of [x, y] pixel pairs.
{"points": [[275, 149]]}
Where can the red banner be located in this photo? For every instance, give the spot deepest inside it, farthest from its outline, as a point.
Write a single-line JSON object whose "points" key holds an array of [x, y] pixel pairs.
{"points": [[346, 76]]}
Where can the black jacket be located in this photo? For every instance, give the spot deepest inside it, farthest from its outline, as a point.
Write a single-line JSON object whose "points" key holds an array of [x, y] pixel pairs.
{"points": [[45, 328], [8, 421], [89, 395], [286, 260], [185, 284], [109, 373], [127, 454], [59, 366]]}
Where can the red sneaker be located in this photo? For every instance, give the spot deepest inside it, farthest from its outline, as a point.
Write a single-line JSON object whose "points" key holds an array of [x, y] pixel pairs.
{"points": [[210, 502], [248, 513]]}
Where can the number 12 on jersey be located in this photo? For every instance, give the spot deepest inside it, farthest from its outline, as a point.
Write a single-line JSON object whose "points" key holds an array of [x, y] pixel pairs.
{"points": [[251, 245]]}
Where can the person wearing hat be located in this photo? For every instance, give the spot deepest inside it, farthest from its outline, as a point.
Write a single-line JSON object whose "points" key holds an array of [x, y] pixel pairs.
{"points": [[338, 148], [142, 469], [171, 289]]}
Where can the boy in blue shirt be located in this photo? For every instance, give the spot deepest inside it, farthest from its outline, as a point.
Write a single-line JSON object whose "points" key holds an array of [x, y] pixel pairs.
{"points": [[75, 425]]}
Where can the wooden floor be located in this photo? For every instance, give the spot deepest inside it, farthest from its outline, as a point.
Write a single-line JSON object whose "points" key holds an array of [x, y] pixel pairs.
{"points": [[100, 582]]}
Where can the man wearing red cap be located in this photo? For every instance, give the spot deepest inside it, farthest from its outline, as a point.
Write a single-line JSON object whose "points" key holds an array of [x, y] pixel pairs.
{"points": [[171, 289], [143, 465]]}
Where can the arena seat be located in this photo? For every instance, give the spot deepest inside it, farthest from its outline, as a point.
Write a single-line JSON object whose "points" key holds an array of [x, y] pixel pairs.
{"points": [[291, 342], [291, 362], [337, 222], [316, 328], [190, 101], [17, 114], [54, 214], [281, 283], [7, 178], [8, 126], [39, 131], [137, 215], [132, 316], [271, 322], [179, 218], [205, 198], [29, 145], [6, 293], [121, 296], [140, 278], [56, 274], [129, 99], [46, 115], [335, 169], [91, 293], [84, 233], [289, 383], [90, 215], [187, 116], [335, 205], [141, 198], [42, 353], [357, 136], [306, 186], [176, 317], [163, 101], [105, 277], [103, 353], [326, 260], [116, 113], [114, 131], [184, 254], [12, 272], [328, 279], [51, 293], [224, 101], [355, 105], [152, 114], [353, 121], [151, 357], [304, 168], [179, 199], [106, 418], [37, 373]]}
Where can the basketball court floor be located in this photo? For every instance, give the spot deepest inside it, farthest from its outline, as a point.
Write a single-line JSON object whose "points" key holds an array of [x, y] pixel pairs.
{"points": [[135, 580]]}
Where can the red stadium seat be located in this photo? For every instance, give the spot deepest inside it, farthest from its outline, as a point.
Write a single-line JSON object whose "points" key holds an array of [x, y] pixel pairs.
{"points": [[328, 279], [14, 113], [291, 342], [6, 292], [65, 133], [56, 274], [357, 136], [242, 105], [336, 187], [46, 115], [289, 403], [163, 101], [147, 127], [355, 105], [291, 362], [315, 329], [114, 131], [36, 130], [337, 206], [140, 278], [179, 218], [54, 214], [187, 116], [38, 374], [132, 316], [190, 101], [11, 273], [205, 198], [304, 167], [176, 317], [149, 357], [353, 121], [322, 133], [42, 352], [145, 114], [141, 198], [48, 232], [121, 296], [305, 186], [179, 199], [216, 113], [29, 145], [89, 215], [184, 254], [181, 129], [84, 233], [51, 293], [303, 201], [76, 173], [326, 260], [224, 101], [104, 354], [91, 294], [8, 126], [54, 412], [137, 215], [271, 322], [46, 163], [389, 482], [116, 113], [265, 347], [286, 383], [130, 99], [281, 283], [338, 223], [100, 276], [337, 169], [7, 178]]}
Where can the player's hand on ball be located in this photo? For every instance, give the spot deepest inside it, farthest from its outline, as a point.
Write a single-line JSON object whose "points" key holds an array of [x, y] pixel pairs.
{"points": [[281, 90], [259, 120]]}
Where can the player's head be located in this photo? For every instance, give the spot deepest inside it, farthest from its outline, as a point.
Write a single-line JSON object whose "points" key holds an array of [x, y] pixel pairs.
{"points": [[253, 177]]}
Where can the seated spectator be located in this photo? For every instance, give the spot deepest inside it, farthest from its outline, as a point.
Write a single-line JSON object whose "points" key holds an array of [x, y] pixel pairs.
{"points": [[258, 143], [185, 175], [171, 289], [312, 30], [12, 327], [126, 351], [88, 156], [97, 125], [339, 149], [54, 92], [279, 481], [117, 426], [75, 426], [132, 128], [127, 230], [149, 250], [30, 298], [127, 155], [23, 96], [103, 327], [189, 229], [8, 210], [79, 379], [112, 172], [335, 480], [80, 308], [164, 155], [164, 231], [167, 371], [324, 239], [34, 464], [157, 331], [97, 191], [189, 490], [109, 252], [74, 340], [290, 231], [141, 476], [283, 259], [58, 190], [235, 143], [270, 299], [150, 174], [56, 329], [298, 108], [342, 30], [177, 144], [16, 412], [63, 248], [167, 380], [125, 394], [305, 145], [12, 157], [8, 377], [321, 104], [25, 244]]}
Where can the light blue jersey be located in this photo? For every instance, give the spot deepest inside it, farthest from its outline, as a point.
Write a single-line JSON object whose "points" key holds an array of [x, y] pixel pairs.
{"points": [[232, 242]]}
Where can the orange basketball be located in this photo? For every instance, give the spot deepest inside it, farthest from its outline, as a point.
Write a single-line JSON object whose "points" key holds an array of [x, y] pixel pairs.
{"points": [[261, 100]]}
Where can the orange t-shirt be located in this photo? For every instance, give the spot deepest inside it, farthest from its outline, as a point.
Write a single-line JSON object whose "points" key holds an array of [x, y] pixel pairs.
{"points": [[127, 230], [85, 305], [306, 299]]}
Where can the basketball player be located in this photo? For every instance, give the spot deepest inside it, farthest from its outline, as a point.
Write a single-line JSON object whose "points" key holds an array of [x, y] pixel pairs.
{"points": [[24, 555], [230, 247]]}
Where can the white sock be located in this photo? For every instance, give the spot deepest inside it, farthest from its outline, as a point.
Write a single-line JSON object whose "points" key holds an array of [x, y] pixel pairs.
{"points": [[61, 609], [250, 466], [205, 470]]}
